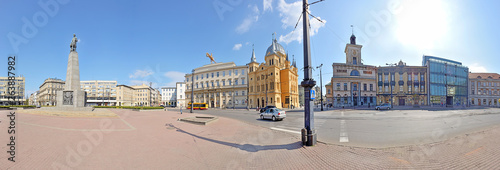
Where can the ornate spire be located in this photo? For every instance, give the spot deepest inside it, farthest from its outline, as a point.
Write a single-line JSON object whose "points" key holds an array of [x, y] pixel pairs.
{"points": [[294, 64], [253, 55], [287, 56], [353, 38]]}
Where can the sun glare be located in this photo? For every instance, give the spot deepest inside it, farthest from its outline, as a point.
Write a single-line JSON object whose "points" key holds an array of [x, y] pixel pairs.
{"points": [[422, 23]]}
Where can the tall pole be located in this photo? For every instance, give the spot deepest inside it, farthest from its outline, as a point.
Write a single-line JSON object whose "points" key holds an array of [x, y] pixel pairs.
{"points": [[321, 85], [266, 90], [192, 91], [308, 81]]}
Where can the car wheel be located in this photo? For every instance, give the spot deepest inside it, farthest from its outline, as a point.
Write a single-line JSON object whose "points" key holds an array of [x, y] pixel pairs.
{"points": [[388, 108], [262, 117], [274, 118], [376, 108]]}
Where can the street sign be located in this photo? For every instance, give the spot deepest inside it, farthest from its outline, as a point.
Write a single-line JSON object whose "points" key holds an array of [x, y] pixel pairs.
{"points": [[313, 94]]}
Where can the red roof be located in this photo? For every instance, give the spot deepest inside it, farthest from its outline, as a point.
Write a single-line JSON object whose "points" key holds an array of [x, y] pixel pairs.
{"points": [[484, 76]]}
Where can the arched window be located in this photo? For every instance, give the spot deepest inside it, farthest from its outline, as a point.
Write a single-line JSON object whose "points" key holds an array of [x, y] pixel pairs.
{"points": [[354, 73]]}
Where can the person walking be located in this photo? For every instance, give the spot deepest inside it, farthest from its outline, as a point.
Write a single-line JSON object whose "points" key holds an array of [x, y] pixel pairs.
{"points": [[181, 110]]}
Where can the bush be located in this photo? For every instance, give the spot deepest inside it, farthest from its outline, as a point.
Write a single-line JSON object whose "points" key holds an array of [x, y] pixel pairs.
{"points": [[129, 107], [17, 106]]}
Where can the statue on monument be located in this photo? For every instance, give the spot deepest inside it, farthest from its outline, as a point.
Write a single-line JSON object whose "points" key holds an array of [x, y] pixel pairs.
{"points": [[73, 43]]}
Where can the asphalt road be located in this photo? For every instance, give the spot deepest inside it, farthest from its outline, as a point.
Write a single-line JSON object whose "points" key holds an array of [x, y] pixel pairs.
{"points": [[374, 129]]}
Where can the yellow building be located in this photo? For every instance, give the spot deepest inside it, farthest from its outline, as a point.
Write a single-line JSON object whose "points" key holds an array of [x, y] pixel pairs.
{"points": [[48, 91], [406, 85], [141, 95], [273, 82]]}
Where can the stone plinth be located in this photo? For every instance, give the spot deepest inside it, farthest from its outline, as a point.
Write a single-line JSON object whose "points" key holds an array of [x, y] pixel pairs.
{"points": [[72, 95]]}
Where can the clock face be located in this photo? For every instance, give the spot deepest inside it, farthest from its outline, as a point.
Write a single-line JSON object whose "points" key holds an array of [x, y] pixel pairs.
{"points": [[354, 53]]}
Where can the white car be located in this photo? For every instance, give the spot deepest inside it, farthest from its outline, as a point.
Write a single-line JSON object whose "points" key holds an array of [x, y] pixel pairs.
{"points": [[274, 114], [383, 106]]}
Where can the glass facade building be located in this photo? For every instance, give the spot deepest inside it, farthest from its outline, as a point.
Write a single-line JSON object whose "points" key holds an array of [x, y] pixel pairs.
{"points": [[447, 81]]}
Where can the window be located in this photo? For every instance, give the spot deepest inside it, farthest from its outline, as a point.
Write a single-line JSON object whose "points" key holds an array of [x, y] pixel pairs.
{"points": [[328, 91], [217, 83], [235, 72], [364, 87], [416, 88], [242, 81], [401, 88], [371, 87], [380, 77], [217, 74], [392, 77], [235, 81], [386, 88], [230, 82], [196, 85], [409, 76], [223, 83], [472, 91], [386, 79], [338, 86], [354, 61], [212, 75], [242, 71], [422, 77], [242, 93], [409, 89], [400, 77], [236, 93], [354, 73], [223, 73], [345, 86], [379, 88], [416, 78], [422, 88], [201, 76], [229, 73], [207, 75]]}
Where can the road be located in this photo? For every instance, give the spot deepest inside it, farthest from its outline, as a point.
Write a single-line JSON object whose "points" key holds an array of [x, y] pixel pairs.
{"points": [[375, 129]]}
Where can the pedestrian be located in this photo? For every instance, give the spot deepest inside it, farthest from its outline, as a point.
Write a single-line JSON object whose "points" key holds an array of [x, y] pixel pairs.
{"points": [[181, 110]]}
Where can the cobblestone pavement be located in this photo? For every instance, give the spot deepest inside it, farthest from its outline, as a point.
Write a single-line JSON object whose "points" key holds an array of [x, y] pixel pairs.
{"points": [[156, 140]]}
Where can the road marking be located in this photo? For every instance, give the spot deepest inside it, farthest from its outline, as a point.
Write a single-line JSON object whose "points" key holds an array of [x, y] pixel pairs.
{"points": [[474, 151], [343, 132], [285, 130], [399, 160]]}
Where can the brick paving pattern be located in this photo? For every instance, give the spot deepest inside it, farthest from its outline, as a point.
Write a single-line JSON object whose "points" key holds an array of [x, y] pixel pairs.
{"points": [[156, 140]]}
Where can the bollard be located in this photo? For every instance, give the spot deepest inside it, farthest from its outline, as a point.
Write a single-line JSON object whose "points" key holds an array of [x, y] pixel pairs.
{"points": [[304, 136]]}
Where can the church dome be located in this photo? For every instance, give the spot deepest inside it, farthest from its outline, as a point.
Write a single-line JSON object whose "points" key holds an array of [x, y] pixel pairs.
{"points": [[274, 48]]}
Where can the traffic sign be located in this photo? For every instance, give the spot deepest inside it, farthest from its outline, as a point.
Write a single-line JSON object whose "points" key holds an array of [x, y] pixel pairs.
{"points": [[313, 94]]}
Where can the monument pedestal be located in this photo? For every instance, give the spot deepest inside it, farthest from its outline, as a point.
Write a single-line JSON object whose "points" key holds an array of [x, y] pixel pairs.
{"points": [[69, 98]]}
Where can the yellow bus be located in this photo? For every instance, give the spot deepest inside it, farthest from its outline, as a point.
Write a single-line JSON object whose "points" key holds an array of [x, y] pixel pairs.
{"points": [[198, 106]]}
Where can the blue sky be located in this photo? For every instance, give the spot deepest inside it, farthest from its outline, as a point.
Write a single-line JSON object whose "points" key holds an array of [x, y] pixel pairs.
{"points": [[159, 41]]}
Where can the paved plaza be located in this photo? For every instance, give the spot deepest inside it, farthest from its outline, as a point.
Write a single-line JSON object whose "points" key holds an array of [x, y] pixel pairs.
{"points": [[156, 140]]}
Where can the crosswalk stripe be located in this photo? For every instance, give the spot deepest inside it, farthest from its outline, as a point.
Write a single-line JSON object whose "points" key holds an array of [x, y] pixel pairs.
{"points": [[285, 130]]}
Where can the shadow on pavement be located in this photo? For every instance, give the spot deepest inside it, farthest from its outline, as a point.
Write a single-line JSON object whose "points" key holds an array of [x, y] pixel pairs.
{"points": [[245, 147]]}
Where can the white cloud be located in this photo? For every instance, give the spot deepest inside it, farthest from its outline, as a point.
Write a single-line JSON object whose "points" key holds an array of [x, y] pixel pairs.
{"points": [[174, 77], [476, 68], [237, 47], [141, 73], [268, 5], [289, 14], [249, 20], [140, 82]]}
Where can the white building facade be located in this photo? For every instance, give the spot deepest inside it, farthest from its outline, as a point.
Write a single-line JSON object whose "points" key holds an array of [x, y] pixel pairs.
{"points": [[180, 96], [219, 85], [169, 96]]}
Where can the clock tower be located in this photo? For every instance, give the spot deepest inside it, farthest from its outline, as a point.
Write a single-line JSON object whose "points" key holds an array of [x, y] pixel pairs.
{"points": [[353, 52]]}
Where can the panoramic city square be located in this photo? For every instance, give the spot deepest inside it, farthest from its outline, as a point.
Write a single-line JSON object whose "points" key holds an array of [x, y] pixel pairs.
{"points": [[265, 84]]}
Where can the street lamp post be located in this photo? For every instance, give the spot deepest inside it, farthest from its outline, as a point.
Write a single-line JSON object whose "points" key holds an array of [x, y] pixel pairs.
{"points": [[321, 85], [192, 91], [307, 83]]}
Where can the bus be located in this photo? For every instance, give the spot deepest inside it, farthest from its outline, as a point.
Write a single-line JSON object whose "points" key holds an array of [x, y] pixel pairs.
{"points": [[198, 106]]}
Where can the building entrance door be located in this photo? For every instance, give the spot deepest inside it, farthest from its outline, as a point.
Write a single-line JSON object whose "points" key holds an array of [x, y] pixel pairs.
{"points": [[449, 101], [401, 101], [355, 101], [212, 102]]}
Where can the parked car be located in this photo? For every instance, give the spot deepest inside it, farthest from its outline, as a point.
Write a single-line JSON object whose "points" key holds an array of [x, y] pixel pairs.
{"points": [[386, 106], [274, 114], [265, 108]]}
